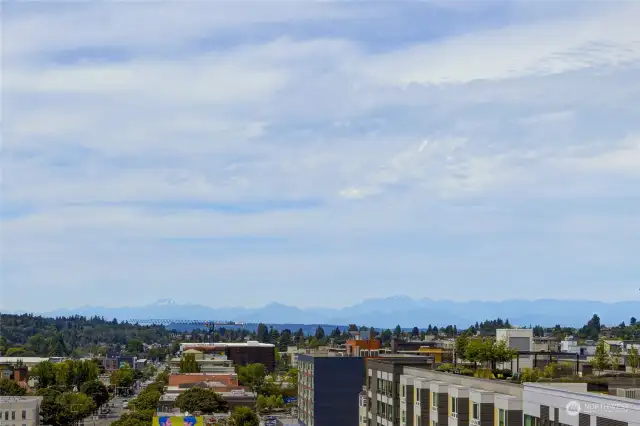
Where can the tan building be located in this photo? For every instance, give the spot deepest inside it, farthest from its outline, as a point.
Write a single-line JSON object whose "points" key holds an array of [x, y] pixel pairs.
{"points": [[20, 410]]}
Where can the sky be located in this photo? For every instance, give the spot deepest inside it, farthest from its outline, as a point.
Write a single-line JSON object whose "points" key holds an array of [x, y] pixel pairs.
{"points": [[318, 153]]}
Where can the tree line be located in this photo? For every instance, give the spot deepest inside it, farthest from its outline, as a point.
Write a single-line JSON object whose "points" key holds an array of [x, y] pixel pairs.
{"points": [[74, 336]]}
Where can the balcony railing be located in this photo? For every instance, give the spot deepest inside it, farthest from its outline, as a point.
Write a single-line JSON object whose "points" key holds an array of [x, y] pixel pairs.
{"points": [[474, 422], [454, 415]]}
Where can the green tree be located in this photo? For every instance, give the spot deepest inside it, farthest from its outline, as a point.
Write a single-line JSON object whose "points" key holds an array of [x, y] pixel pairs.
{"points": [[97, 391], [487, 351], [188, 364], [198, 399], [314, 343], [253, 376], [147, 400], [319, 333], [130, 421], [135, 346], [397, 332], [50, 408], [415, 332], [45, 372], [633, 359], [159, 354], [600, 359], [614, 360], [77, 404], [10, 388], [462, 342], [501, 352], [18, 352], [123, 377], [244, 416]]}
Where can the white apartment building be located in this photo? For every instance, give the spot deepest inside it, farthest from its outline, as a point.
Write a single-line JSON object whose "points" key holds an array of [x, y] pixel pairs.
{"points": [[429, 398], [549, 404], [20, 410]]}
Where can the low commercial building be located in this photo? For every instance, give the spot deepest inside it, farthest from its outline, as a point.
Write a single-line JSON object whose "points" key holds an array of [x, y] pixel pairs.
{"points": [[329, 389], [112, 363], [27, 361], [20, 410]]}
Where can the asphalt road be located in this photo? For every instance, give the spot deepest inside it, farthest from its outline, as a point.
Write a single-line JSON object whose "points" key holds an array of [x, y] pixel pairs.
{"points": [[116, 411]]}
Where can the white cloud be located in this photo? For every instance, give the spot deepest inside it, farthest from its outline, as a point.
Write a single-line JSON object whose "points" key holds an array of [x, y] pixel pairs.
{"points": [[389, 141]]}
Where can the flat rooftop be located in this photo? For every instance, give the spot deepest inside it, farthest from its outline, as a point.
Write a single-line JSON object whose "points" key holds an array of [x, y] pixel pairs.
{"points": [[225, 345]]}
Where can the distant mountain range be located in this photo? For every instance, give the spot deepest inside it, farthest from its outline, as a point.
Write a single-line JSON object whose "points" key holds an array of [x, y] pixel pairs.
{"points": [[384, 312]]}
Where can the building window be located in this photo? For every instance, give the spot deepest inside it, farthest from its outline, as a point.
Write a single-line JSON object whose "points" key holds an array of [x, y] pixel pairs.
{"points": [[6, 415], [454, 405], [434, 423], [404, 416], [418, 399], [476, 411], [530, 420], [501, 417], [24, 414], [403, 390], [13, 415], [434, 399]]}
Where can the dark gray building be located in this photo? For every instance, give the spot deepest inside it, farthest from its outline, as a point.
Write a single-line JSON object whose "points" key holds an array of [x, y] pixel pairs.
{"points": [[328, 389], [384, 390]]}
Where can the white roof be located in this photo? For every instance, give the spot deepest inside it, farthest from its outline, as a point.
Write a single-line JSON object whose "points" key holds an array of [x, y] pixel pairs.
{"points": [[231, 345], [25, 359]]}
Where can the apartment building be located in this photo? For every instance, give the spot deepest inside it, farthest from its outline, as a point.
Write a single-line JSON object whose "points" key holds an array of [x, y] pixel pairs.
{"points": [[430, 398], [383, 387], [550, 405], [213, 363], [251, 352], [424, 397], [329, 389], [20, 410]]}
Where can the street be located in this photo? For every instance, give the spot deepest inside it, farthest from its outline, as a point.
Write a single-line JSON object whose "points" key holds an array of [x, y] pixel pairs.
{"points": [[106, 419]]}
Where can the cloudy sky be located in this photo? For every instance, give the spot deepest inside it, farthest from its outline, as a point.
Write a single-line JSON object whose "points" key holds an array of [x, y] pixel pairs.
{"points": [[318, 153]]}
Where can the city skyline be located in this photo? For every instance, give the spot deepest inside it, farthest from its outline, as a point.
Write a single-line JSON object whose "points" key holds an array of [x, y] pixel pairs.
{"points": [[322, 152]]}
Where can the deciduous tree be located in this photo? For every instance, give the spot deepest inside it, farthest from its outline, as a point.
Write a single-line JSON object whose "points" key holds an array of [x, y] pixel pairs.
{"points": [[252, 375], [600, 359], [244, 416], [198, 399]]}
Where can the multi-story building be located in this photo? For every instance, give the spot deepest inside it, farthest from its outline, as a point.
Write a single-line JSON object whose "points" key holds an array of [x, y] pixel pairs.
{"points": [[549, 405], [383, 387], [251, 352], [329, 389], [20, 410], [212, 363], [362, 346], [430, 398]]}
